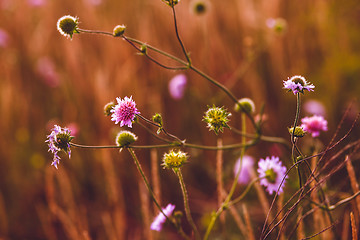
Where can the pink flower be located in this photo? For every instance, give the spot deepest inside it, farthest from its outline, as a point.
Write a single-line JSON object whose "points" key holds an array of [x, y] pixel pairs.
{"points": [[272, 173], [314, 125], [160, 219], [314, 107], [177, 86], [298, 84], [124, 112], [247, 164]]}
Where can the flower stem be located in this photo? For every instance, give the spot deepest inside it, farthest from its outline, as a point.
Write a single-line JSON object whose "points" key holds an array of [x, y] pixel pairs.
{"points": [[186, 203], [293, 138]]}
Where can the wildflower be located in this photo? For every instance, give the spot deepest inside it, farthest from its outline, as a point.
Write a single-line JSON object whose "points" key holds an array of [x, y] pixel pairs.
{"points": [[299, 131], [124, 112], [314, 107], [125, 138], [160, 219], [314, 125], [177, 86], [171, 3], [174, 159], [108, 107], [272, 172], [279, 25], [58, 140], [216, 119], [246, 164], [246, 105], [68, 25], [298, 84], [119, 30]]}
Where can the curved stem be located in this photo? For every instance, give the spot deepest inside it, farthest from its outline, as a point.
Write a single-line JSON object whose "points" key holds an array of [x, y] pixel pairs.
{"points": [[179, 39], [186, 203]]}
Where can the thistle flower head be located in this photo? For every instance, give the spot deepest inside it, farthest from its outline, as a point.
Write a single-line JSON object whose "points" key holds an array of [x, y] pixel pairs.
{"points": [[59, 140], [124, 112], [246, 163], [299, 131], [119, 30], [272, 172], [125, 138], [160, 219], [174, 160], [298, 84], [246, 105], [217, 118], [314, 125], [68, 25]]}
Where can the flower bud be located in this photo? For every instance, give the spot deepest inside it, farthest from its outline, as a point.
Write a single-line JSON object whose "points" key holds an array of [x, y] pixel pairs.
{"points": [[174, 159], [68, 25], [119, 30], [299, 131], [125, 138], [245, 105], [108, 107], [216, 119], [157, 118]]}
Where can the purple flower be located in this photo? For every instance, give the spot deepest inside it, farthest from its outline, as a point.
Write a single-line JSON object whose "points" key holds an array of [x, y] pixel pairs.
{"points": [[272, 172], [315, 107], [124, 112], [314, 125], [160, 219], [246, 167], [298, 84], [58, 140], [177, 86]]}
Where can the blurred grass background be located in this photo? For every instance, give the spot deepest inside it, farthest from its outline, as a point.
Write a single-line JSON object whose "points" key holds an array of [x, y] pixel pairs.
{"points": [[46, 79]]}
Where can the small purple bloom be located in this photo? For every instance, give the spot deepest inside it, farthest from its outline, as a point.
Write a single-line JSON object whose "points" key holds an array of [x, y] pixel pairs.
{"points": [[272, 172], [58, 140], [298, 84], [124, 112], [314, 125], [177, 86], [160, 219], [314, 107], [246, 167]]}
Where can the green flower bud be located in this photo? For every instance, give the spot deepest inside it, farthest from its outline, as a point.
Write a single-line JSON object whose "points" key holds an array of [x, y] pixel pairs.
{"points": [[119, 30], [171, 3], [125, 138], [174, 160], [216, 119], [299, 131], [157, 118], [108, 107], [68, 25], [245, 105]]}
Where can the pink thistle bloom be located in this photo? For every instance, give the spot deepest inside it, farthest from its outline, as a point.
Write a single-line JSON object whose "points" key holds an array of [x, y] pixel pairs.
{"points": [[298, 84], [272, 172], [160, 219], [124, 112], [246, 166], [314, 125], [177, 86], [59, 139]]}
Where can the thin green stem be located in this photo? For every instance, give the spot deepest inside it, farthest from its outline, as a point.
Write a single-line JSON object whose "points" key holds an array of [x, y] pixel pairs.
{"points": [[186, 203], [179, 39]]}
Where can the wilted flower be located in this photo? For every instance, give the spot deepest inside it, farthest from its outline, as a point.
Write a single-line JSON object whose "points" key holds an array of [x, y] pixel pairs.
{"points": [[298, 84], [59, 139], [124, 112], [177, 86], [160, 219], [216, 119], [314, 125], [174, 159], [68, 25], [247, 164], [272, 172]]}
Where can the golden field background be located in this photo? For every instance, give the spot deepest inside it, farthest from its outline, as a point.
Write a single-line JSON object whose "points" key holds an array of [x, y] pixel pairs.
{"points": [[46, 79]]}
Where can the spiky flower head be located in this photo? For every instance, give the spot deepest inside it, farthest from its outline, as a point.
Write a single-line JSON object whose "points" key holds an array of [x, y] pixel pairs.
{"points": [[299, 131], [297, 84], [174, 160], [272, 173], [125, 138], [124, 112], [217, 118], [59, 140], [314, 125], [108, 107], [68, 25], [171, 3], [160, 219], [245, 105], [119, 30]]}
